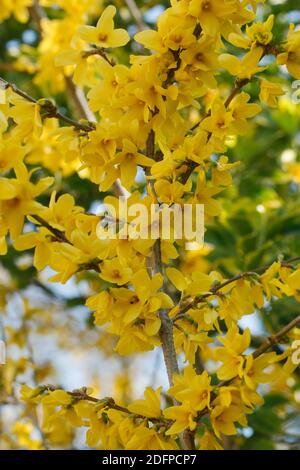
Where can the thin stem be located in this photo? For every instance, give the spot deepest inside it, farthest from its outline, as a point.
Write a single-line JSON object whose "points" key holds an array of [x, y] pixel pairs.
{"points": [[58, 234], [61, 237], [48, 108], [136, 14], [268, 343], [275, 339], [187, 305], [108, 402], [78, 98], [99, 51], [166, 329]]}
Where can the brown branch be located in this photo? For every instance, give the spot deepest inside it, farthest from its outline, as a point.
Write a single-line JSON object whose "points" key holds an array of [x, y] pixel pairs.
{"points": [[61, 237], [166, 329], [191, 165], [58, 234], [108, 402], [37, 14], [186, 305], [239, 84], [78, 98], [275, 339], [271, 341], [98, 51], [136, 14], [172, 71], [48, 108], [79, 101]]}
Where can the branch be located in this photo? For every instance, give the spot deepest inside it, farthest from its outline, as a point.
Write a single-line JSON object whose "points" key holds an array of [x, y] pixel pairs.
{"points": [[98, 51], [37, 14], [166, 329], [61, 237], [274, 339], [239, 84], [136, 14], [271, 341], [78, 98], [186, 305], [48, 108], [267, 344], [108, 402]]}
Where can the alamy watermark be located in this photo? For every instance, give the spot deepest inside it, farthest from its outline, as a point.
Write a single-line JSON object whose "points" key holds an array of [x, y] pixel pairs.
{"points": [[296, 93], [2, 352], [296, 352], [149, 222]]}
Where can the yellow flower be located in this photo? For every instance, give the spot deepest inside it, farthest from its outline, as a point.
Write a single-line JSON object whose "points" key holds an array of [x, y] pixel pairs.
{"points": [[254, 369], [113, 80], [172, 34], [230, 354], [198, 283], [42, 243], [133, 340], [115, 272], [241, 111], [291, 56], [17, 198], [104, 34], [183, 416], [223, 419], [209, 442], [259, 34], [150, 406], [244, 68], [220, 173], [219, 121], [211, 13], [151, 40], [191, 387], [269, 92], [128, 159], [11, 155], [149, 439], [19, 8]]}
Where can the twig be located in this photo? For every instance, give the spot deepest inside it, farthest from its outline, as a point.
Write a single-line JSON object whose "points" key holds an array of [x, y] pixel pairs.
{"points": [[61, 237], [186, 305], [78, 98], [136, 14], [271, 341], [108, 402], [99, 51], [58, 234], [166, 330], [48, 108], [274, 339]]}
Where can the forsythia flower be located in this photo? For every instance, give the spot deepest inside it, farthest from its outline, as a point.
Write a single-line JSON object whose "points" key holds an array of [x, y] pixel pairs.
{"points": [[104, 34], [259, 34], [183, 415], [150, 406], [244, 68], [17, 199], [230, 354], [269, 92], [291, 56]]}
